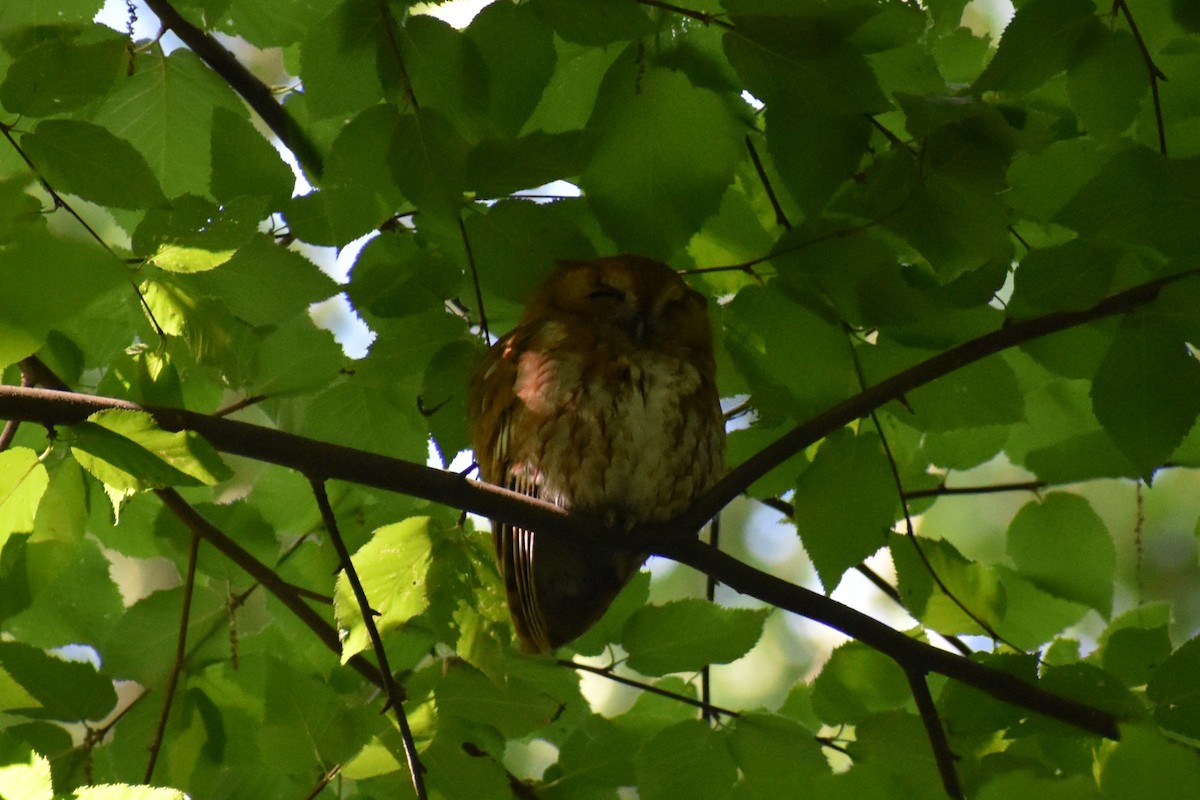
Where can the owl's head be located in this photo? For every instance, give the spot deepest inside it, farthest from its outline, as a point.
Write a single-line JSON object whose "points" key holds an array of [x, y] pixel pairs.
{"points": [[628, 297]]}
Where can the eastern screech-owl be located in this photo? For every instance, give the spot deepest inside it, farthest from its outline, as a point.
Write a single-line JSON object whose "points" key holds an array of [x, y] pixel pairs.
{"points": [[603, 400]]}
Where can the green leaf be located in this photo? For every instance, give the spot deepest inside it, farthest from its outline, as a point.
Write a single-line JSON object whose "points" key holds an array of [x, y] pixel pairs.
{"points": [[23, 481], [804, 60], [657, 644], [688, 759], [845, 504], [666, 154], [497, 168], [394, 276], [27, 781], [165, 109], [975, 586], [983, 393], [1174, 691], [87, 160], [264, 283], [295, 357], [445, 71], [1141, 197], [1146, 422], [22, 15], [58, 76], [857, 682], [194, 235], [519, 242], [68, 691], [1071, 277], [795, 361], [1039, 42], [1173, 681], [515, 708], [1133, 654], [338, 59], [44, 282], [1146, 764], [815, 156], [1063, 546], [444, 397], [356, 196], [301, 706], [73, 597], [13, 696], [392, 567], [775, 755], [128, 452], [1107, 87], [245, 163], [428, 159], [517, 48], [126, 792], [594, 22]]}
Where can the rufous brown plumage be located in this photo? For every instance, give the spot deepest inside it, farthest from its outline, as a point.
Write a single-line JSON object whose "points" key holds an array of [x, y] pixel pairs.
{"points": [[603, 400]]}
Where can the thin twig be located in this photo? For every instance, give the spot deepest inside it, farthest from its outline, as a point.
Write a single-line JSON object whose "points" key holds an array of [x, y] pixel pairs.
{"points": [[466, 240], [1152, 69], [916, 543], [189, 585], [703, 16], [788, 510], [323, 781], [942, 754], [780, 218], [416, 770], [708, 709], [55, 197], [238, 405], [280, 589], [991, 488]]}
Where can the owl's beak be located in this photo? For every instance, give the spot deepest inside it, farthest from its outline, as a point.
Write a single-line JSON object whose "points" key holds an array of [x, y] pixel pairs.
{"points": [[635, 325]]}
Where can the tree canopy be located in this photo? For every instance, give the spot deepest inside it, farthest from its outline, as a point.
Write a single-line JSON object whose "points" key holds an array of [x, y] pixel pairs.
{"points": [[955, 292]]}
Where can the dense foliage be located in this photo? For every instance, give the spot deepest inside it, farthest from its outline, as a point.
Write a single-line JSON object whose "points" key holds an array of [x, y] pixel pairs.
{"points": [[953, 279]]}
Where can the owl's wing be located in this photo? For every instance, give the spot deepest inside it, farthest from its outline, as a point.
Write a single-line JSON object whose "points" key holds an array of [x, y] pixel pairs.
{"points": [[515, 553], [493, 404]]}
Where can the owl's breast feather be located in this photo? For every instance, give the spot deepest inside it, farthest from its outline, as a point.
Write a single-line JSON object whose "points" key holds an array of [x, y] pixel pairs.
{"points": [[638, 434]]}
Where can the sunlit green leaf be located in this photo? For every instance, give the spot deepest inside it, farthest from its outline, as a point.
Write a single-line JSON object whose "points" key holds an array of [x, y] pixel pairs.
{"points": [[392, 569], [128, 451]]}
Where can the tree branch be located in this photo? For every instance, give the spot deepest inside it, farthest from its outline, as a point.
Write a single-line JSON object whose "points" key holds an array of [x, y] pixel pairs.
{"points": [[820, 426], [313, 457], [673, 539]]}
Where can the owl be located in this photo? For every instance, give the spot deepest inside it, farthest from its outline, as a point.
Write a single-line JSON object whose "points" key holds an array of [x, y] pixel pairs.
{"points": [[602, 400]]}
